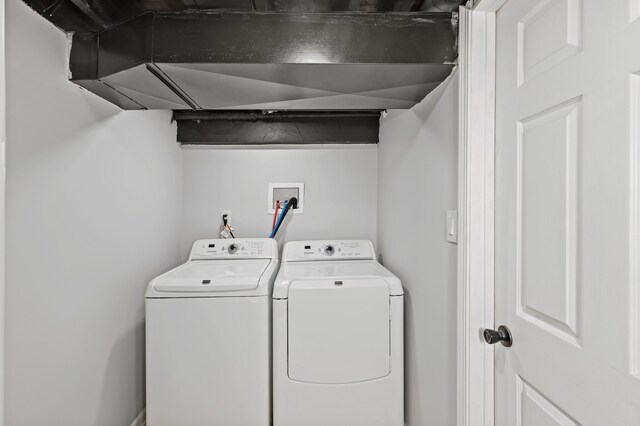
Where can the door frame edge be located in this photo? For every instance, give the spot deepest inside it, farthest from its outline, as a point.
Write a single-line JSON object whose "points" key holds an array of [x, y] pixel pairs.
{"points": [[475, 298]]}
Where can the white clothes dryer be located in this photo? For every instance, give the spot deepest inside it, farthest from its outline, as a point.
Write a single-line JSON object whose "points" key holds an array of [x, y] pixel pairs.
{"points": [[208, 336], [337, 337]]}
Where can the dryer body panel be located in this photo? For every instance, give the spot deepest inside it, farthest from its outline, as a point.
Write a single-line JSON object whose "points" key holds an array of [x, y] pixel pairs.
{"points": [[338, 330]]}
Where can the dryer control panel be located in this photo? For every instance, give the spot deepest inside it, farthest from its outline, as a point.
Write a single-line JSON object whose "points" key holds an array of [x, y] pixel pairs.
{"points": [[300, 251], [243, 248]]}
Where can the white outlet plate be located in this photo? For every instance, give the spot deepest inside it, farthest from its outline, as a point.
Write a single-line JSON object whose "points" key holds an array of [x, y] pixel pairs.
{"points": [[299, 187]]}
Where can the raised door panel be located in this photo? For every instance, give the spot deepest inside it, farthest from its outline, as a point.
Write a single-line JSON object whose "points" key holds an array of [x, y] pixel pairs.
{"points": [[546, 215], [547, 36], [534, 409]]}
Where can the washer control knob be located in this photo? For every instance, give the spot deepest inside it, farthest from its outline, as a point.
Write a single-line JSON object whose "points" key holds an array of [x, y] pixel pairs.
{"points": [[329, 250], [233, 248]]}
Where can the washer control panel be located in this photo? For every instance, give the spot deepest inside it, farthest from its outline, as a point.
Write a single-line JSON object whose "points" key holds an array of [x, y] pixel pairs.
{"points": [[297, 251], [246, 248]]}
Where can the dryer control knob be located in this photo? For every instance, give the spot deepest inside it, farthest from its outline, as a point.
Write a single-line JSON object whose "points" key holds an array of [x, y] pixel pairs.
{"points": [[233, 248], [329, 250]]}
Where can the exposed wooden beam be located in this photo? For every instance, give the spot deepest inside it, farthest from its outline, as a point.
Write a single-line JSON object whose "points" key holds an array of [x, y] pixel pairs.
{"points": [[354, 5], [106, 13], [261, 5], [84, 6], [407, 5], [317, 6], [64, 15], [441, 5], [190, 4], [260, 128]]}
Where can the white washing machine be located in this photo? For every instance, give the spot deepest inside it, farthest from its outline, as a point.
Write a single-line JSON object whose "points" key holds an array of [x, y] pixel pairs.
{"points": [[208, 336], [337, 337]]}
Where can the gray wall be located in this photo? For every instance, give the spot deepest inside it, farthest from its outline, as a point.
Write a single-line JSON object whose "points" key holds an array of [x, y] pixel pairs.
{"points": [[93, 213], [340, 191], [2, 206], [417, 184]]}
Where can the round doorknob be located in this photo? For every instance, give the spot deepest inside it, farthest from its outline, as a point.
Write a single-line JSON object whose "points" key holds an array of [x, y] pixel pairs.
{"points": [[502, 335]]}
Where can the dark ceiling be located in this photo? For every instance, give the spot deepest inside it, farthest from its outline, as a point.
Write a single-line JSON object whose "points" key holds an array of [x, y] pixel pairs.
{"points": [[326, 66], [97, 15]]}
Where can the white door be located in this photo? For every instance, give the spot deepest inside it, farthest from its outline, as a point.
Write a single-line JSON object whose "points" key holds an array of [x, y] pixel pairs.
{"points": [[567, 136]]}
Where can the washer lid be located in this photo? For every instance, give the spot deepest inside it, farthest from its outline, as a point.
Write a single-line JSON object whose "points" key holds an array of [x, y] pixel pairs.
{"points": [[213, 276]]}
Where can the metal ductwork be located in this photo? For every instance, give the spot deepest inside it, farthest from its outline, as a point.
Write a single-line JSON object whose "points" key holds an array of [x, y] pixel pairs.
{"points": [[261, 71], [198, 60]]}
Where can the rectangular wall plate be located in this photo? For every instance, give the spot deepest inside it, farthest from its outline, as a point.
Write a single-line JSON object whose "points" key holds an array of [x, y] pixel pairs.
{"points": [[452, 227], [284, 191]]}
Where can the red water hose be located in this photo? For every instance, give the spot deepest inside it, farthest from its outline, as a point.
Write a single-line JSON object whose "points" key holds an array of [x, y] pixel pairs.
{"points": [[275, 215]]}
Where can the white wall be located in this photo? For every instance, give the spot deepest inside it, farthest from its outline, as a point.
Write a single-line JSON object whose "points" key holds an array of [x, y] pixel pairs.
{"points": [[2, 207], [340, 191], [93, 213], [417, 184]]}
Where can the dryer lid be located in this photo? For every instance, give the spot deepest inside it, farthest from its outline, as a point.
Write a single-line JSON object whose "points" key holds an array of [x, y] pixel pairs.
{"points": [[213, 276], [340, 270]]}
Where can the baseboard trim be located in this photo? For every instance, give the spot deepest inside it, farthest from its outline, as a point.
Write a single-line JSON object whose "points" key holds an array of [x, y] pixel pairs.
{"points": [[141, 420]]}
